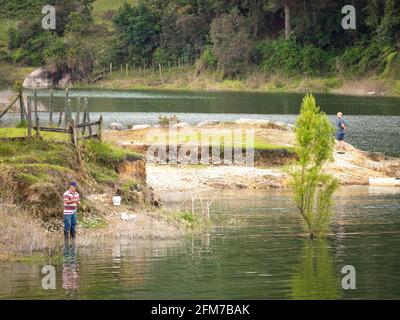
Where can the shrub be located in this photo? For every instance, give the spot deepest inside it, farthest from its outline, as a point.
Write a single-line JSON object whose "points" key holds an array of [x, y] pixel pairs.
{"points": [[313, 189], [289, 57], [165, 121], [207, 61]]}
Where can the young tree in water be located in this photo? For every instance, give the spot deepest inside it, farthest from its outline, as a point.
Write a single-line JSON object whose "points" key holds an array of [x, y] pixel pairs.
{"points": [[313, 189]]}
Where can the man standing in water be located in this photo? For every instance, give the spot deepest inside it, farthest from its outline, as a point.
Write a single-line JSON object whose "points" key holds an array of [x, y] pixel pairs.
{"points": [[340, 124], [71, 202]]}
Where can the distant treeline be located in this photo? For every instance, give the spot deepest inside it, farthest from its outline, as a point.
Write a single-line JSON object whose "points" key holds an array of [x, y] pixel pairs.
{"points": [[231, 37]]}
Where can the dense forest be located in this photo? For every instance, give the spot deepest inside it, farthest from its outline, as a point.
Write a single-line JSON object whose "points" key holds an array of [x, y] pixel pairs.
{"points": [[228, 37]]}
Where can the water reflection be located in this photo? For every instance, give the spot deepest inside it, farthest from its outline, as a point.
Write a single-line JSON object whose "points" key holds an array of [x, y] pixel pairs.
{"points": [[314, 277], [70, 273]]}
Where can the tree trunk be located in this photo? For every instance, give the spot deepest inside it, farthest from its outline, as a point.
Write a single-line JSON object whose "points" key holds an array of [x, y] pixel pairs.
{"points": [[287, 19]]}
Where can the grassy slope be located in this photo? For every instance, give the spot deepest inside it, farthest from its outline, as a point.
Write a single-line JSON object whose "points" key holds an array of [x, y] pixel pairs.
{"points": [[102, 6]]}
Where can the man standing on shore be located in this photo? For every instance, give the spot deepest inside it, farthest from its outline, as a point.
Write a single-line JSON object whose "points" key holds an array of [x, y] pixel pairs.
{"points": [[71, 202], [340, 124]]}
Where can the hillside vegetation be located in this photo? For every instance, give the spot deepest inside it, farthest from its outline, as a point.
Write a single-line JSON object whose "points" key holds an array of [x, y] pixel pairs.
{"points": [[251, 41]]}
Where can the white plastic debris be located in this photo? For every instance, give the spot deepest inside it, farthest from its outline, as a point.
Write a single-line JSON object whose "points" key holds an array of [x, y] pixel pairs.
{"points": [[128, 217], [117, 200]]}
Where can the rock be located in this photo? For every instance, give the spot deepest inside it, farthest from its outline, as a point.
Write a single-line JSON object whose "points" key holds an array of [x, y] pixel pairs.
{"points": [[180, 125], [40, 78], [140, 127], [207, 123], [44, 78], [116, 126], [128, 217]]}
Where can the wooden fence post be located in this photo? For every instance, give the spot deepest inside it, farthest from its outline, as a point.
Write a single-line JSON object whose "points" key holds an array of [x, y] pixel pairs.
{"points": [[74, 141], [85, 106], [21, 105], [127, 70], [100, 133], [60, 119], [88, 120], [29, 117], [66, 108], [51, 108], [36, 116], [110, 70], [78, 110]]}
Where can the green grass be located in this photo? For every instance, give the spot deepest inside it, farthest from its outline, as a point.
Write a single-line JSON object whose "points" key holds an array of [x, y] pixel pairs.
{"points": [[102, 6], [23, 132]]}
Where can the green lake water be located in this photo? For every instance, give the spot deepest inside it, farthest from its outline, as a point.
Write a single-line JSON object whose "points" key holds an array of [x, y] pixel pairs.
{"points": [[261, 256]]}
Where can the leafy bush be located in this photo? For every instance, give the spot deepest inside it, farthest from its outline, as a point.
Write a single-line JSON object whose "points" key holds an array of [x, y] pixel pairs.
{"points": [[289, 57], [361, 58], [164, 121], [207, 61]]}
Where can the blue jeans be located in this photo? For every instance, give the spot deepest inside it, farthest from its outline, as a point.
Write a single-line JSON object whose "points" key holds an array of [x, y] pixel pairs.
{"points": [[69, 222], [340, 136]]}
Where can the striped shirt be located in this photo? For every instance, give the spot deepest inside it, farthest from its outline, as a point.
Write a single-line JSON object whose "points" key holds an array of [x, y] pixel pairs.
{"points": [[70, 208]]}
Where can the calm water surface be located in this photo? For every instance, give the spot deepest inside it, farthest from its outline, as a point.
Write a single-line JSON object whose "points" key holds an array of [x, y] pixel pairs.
{"points": [[263, 256]]}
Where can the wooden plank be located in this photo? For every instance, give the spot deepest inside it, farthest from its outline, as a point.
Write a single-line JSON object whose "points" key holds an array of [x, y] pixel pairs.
{"points": [[51, 129], [9, 107], [82, 125]]}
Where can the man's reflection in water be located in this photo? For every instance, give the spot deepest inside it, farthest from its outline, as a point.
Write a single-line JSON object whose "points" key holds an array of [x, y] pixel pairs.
{"points": [[70, 275]]}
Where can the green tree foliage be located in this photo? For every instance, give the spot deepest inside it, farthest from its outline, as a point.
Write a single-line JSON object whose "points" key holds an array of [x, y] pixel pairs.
{"points": [[280, 36], [12, 9], [231, 42], [289, 57], [139, 32], [70, 55], [313, 189]]}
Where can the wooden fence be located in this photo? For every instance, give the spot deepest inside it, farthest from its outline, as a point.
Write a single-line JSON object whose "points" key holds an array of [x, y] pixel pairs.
{"points": [[66, 124]]}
